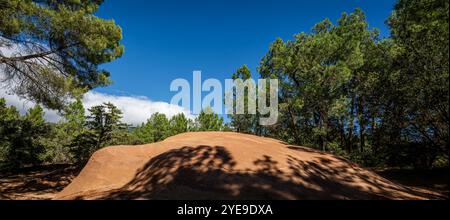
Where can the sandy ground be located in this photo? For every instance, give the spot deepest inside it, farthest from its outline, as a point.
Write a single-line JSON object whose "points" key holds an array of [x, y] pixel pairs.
{"points": [[218, 165]]}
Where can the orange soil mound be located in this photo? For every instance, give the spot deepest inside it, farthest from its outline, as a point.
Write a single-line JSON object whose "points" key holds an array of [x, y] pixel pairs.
{"points": [[225, 165]]}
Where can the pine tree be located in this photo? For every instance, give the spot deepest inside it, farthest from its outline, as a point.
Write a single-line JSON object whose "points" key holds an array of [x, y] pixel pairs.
{"points": [[207, 120], [60, 48], [102, 127]]}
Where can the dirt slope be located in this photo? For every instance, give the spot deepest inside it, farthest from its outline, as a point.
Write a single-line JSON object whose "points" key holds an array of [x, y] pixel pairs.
{"points": [[225, 165]]}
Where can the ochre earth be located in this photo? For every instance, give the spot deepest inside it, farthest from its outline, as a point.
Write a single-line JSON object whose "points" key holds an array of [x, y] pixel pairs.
{"points": [[226, 165]]}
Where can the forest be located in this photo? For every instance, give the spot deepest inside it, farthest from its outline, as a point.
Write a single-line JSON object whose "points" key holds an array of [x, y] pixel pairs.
{"points": [[380, 102]]}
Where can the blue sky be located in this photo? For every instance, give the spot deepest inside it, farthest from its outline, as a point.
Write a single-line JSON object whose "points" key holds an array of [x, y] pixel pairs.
{"points": [[168, 39]]}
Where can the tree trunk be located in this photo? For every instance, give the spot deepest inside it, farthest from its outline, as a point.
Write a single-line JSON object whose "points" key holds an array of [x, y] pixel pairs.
{"points": [[294, 126], [323, 125], [342, 131], [374, 139], [362, 125], [350, 127]]}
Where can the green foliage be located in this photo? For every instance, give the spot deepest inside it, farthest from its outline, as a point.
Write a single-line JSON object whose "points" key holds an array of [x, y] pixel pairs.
{"points": [[74, 116], [144, 132], [207, 120], [315, 71], [64, 133], [160, 126], [156, 129], [243, 122], [179, 124], [421, 31], [379, 102], [125, 137], [21, 136], [60, 47], [9, 128], [103, 127]]}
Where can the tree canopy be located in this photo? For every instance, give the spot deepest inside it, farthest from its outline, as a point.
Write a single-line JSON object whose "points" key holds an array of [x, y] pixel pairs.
{"points": [[57, 48], [378, 101]]}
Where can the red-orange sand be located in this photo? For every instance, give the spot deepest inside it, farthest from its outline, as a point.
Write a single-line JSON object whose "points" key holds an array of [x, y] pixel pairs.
{"points": [[226, 165]]}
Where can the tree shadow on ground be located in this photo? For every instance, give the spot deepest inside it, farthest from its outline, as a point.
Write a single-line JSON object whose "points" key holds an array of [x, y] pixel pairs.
{"points": [[209, 172], [428, 183], [41, 182]]}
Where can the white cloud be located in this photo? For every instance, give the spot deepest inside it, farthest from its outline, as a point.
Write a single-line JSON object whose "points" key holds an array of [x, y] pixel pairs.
{"points": [[136, 109]]}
